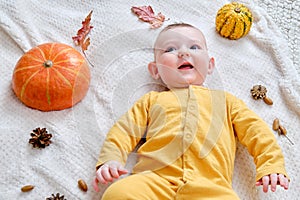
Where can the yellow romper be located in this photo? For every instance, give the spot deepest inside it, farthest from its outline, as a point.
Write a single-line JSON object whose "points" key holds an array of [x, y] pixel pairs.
{"points": [[191, 136]]}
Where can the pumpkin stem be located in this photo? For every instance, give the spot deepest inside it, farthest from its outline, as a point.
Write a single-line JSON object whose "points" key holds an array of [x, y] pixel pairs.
{"points": [[237, 9], [48, 63]]}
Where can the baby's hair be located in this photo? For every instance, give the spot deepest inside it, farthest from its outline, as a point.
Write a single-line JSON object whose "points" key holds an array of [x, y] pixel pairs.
{"points": [[181, 24], [175, 25]]}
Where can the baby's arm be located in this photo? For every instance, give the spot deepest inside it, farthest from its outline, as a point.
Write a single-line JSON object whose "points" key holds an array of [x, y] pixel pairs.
{"points": [[261, 143], [107, 172], [273, 180]]}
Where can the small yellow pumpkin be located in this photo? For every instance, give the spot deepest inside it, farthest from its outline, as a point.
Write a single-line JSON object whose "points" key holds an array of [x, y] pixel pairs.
{"points": [[233, 21]]}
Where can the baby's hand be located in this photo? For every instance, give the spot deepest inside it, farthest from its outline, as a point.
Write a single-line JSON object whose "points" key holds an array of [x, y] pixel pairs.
{"points": [[273, 180], [107, 172]]}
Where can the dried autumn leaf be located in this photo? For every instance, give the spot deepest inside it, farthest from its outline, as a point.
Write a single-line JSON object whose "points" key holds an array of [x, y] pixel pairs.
{"points": [[80, 38], [85, 44], [146, 14]]}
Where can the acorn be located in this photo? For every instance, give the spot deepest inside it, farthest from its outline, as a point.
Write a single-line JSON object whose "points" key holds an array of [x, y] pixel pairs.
{"points": [[27, 188], [276, 124], [281, 130], [82, 185], [268, 100]]}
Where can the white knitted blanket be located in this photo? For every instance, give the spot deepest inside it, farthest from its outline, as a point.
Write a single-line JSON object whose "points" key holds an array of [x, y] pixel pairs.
{"points": [[120, 50]]}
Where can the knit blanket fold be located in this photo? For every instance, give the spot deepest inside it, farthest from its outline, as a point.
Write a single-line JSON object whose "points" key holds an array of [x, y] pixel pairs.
{"points": [[120, 50]]}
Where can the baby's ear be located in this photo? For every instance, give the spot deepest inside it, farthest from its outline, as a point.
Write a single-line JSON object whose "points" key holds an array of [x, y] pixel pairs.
{"points": [[211, 65], [152, 68]]}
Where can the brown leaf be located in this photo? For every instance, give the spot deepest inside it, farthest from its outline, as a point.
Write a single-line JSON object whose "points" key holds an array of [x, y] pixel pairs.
{"points": [[146, 14], [85, 45], [80, 38]]}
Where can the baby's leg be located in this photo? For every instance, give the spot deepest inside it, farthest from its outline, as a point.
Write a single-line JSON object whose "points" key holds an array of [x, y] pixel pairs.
{"points": [[203, 188], [147, 185]]}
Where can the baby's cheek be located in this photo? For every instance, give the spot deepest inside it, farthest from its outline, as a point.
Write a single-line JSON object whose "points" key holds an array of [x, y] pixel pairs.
{"points": [[169, 60], [202, 63]]}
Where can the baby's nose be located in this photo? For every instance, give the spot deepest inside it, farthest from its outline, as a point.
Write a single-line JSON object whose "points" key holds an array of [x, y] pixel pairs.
{"points": [[183, 52]]}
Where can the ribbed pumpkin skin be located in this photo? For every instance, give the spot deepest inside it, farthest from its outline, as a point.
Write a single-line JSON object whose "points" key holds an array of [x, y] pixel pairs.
{"points": [[55, 87], [233, 21]]}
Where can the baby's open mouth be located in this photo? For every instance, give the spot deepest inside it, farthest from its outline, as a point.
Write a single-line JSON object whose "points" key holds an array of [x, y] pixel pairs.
{"points": [[186, 66]]}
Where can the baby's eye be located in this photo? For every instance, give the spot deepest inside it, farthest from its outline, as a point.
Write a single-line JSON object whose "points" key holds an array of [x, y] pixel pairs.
{"points": [[170, 49], [195, 47]]}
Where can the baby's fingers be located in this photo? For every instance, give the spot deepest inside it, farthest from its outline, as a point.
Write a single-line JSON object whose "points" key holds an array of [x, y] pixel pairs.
{"points": [[284, 182], [265, 183], [95, 185], [105, 174], [122, 170], [274, 180], [117, 171], [114, 172], [258, 183]]}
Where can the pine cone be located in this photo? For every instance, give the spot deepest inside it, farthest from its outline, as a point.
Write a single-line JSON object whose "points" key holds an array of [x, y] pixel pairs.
{"points": [[40, 138], [56, 197], [258, 92]]}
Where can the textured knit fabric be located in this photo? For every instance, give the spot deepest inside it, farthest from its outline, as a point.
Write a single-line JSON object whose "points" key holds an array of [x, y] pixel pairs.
{"points": [[191, 135], [120, 49]]}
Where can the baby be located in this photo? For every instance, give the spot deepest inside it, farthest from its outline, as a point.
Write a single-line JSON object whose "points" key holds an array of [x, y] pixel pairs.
{"points": [[190, 132]]}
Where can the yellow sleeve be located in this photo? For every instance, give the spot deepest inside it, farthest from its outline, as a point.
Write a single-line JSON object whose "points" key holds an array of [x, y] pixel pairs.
{"points": [[259, 139], [126, 133]]}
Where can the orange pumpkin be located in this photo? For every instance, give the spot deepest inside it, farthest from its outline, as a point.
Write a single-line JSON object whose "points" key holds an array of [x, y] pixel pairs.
{"points": [[51, 76]]}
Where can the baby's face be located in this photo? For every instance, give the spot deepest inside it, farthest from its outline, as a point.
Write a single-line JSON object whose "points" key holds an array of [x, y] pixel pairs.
{"points": [[181, 57]]}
